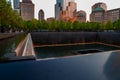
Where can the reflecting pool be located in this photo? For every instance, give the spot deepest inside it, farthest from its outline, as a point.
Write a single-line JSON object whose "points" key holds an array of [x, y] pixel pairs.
{"points": [[69, 50], [7, 46]]}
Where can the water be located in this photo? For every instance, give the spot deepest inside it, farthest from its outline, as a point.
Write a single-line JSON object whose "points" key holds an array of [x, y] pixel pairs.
{"points": [[7, 46], [69, 50]]}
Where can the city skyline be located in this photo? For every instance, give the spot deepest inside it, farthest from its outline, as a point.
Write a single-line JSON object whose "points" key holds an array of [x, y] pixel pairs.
{"points": [[85, 5], [81, 5]]}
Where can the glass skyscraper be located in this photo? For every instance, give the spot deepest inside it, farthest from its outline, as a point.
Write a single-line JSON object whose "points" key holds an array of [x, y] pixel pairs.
{"points": [[16, 4]]}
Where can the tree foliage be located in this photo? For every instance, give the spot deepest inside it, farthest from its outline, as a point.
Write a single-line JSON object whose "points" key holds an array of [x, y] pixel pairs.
{"points": [[10, 19]]}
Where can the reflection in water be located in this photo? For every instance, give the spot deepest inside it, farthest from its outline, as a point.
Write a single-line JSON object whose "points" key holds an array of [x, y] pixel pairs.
{"points": [[8, 46], [112, 66]]}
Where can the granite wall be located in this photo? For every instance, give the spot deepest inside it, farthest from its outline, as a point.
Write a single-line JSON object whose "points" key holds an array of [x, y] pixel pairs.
{"points": [[44, 38], [109, 38]]}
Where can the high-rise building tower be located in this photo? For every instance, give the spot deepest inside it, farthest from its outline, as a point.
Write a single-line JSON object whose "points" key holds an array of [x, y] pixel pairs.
{"points": [[64, 3], [9, 2], [41, 15], [27, 10], [16, 4], [65, 9]]}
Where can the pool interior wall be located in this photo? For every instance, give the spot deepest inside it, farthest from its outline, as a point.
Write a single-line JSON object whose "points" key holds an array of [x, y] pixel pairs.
{"points": [[48, 38], [66, 38], [52, 38], [71, 50]]}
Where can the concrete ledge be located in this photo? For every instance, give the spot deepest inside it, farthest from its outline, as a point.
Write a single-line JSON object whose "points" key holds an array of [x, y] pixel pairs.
{"points": [[17, 58]]}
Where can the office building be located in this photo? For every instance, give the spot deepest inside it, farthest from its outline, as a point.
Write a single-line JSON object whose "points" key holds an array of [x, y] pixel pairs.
{"points": [[98, 11], [112, 15], [41, 15], [65, 9], [81, 16], [27, 10], [101, 14], [16, 4], [9, 2]]}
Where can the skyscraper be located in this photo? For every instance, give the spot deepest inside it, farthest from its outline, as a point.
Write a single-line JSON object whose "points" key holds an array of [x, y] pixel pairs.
{"points": [[58, 9], [65, 9], [41, 15], [27, 10], [9, 2], [16, 4], [66, 3]]}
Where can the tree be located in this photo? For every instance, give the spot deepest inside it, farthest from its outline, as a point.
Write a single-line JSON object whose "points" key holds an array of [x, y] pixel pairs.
{"points": [[8, 17], [109, 25]]}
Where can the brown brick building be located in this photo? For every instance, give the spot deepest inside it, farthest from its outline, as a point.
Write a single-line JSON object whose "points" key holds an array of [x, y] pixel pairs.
{"points": [[27, 10], [81, 16], [101, 14]]}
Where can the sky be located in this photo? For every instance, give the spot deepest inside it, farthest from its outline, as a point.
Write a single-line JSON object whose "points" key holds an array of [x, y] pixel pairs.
{"points": [[48, 6]]}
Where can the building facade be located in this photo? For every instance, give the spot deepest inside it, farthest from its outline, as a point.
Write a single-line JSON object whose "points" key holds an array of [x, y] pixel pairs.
{"points": [[65, 9], [101, 14], [112, 15], [64, 3], [9, 2], [41, 15], [58, 9], [16, 5], [50, 19], [81, 16], [27, 10], [98, 11], [69, 13]]}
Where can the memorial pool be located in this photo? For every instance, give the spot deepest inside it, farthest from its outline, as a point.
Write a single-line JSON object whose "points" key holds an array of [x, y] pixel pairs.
{"points": [[69, 50]]}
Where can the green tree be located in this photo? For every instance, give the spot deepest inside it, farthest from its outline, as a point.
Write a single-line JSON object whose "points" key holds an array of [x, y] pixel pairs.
{"points": [[109, 25]]}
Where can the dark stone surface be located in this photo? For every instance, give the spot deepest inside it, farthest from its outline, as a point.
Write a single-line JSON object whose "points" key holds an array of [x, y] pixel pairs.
{"points": [[109, 38], [101, 66], [44, 38], [63, 37]]}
